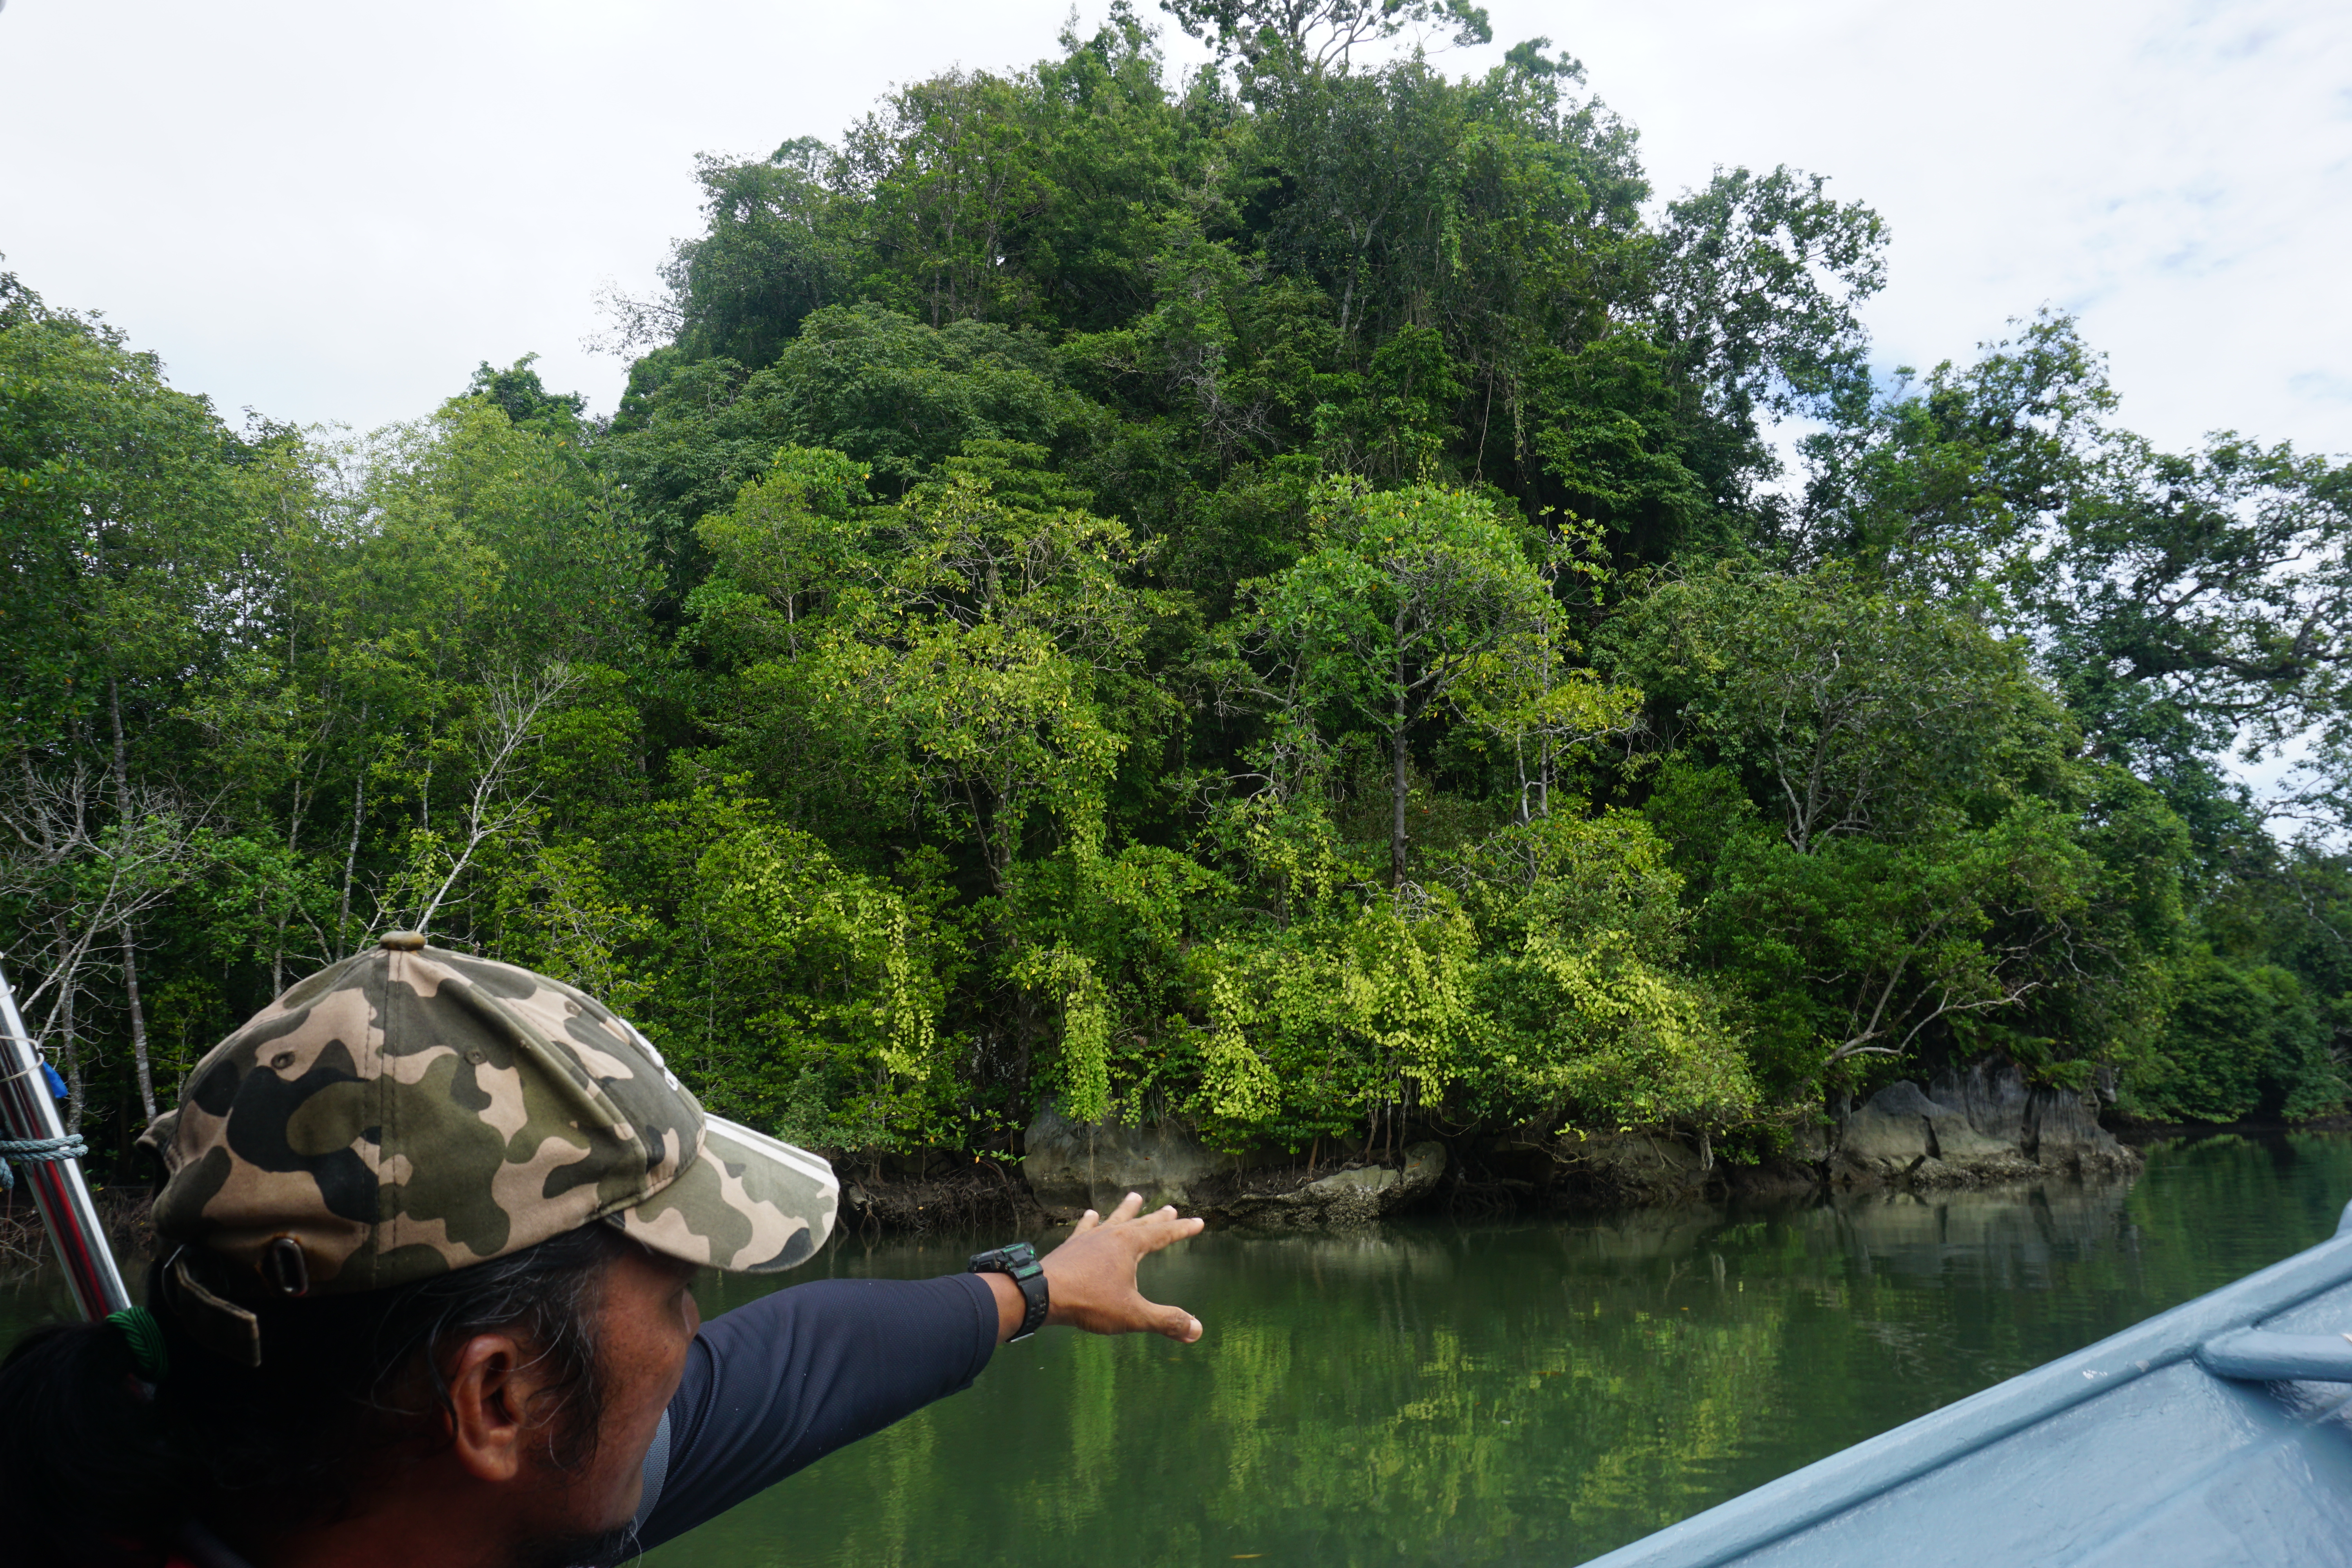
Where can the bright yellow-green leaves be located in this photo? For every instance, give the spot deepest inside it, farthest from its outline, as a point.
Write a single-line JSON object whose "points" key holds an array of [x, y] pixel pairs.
{"points": [[1068, 977], [791, 537], [803, 996], [1548, 991], [1364, 1007], [1407, 597], [977, 657], [992, 725]]}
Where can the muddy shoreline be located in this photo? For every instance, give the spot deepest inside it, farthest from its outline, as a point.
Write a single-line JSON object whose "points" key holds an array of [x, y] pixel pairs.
{"points": [[1479, 1178]]}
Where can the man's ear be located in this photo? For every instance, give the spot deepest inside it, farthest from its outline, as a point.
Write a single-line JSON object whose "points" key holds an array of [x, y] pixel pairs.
{"points": [[490, 1390]]}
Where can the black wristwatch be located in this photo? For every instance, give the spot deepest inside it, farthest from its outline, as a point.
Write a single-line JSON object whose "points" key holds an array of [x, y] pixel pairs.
{"points": [[1020, 1260]]}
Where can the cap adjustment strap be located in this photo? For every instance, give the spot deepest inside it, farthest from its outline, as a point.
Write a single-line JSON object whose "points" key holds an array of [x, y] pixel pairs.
{"points": [[222, 1327]]}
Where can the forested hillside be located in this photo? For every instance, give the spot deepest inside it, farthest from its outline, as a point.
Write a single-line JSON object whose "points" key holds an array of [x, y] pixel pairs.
{"points": [[1271, 596]]}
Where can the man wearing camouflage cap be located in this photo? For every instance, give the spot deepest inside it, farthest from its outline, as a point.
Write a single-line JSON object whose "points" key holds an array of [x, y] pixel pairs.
{"points": [[429, 1229]]}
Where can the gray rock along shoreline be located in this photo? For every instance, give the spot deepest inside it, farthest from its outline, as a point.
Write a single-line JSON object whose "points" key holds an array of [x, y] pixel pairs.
{"points": [[1073, 1166], [1983, 1125], [1976, 1127]]}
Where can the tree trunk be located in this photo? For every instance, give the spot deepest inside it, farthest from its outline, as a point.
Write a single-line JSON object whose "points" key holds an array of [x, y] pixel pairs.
{"points": [[1400, 769], [1401, 763], [351, 850], [1543, 754], [72, 1051], [138, 1025], [130, 948]]}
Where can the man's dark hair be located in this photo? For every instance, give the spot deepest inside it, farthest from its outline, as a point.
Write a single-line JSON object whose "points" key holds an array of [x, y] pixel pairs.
{"points": [[94, 1470]]}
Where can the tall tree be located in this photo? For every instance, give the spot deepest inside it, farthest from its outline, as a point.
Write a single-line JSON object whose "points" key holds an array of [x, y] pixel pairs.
{"points": [[1406, 594]]}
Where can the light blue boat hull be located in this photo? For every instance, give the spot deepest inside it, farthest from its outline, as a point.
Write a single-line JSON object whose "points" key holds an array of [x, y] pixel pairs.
{"points": [[2218, 1433]]}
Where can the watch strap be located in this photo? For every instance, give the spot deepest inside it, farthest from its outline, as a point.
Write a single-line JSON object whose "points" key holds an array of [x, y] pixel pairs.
{"points": [[1019, 1261]]}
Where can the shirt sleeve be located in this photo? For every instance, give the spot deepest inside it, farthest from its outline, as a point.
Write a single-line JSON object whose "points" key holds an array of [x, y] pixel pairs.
{"points": [[775, 1385]]}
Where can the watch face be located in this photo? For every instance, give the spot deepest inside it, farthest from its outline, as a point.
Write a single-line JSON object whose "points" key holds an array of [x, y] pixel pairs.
{"points": [[1004, 1259], [1019, 1255]]}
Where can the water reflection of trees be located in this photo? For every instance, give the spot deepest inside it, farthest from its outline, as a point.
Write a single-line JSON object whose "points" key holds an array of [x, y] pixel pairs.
{"points": [[1526, 1392]]}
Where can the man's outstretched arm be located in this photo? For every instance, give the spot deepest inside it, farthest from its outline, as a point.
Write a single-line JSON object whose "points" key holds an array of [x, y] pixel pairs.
{"points": [[777, 1384]]}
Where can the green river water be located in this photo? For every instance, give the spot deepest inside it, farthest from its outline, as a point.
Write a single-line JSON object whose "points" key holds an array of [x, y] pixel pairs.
{"points": [[1530, 1391]]}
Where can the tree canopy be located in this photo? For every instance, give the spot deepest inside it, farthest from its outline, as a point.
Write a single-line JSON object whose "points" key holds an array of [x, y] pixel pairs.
{"points": [[1265, 595]]}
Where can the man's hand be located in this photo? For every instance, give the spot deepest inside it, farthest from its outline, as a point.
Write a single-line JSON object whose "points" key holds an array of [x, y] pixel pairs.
{"points": [[1090, 1278]]}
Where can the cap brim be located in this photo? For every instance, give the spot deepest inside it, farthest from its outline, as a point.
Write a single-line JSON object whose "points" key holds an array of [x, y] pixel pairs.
{"points": [[749, 1204]]}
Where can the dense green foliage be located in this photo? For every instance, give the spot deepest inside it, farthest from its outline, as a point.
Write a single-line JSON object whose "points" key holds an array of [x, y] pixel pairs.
{"points": [[1267, 596]]}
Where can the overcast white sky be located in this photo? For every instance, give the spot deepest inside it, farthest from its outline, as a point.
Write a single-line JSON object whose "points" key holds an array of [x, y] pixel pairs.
{"points": [[332, 212]]}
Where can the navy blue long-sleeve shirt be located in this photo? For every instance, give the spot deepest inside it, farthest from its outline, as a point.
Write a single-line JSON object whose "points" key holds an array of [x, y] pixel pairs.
{"points": [[776, 1385]]}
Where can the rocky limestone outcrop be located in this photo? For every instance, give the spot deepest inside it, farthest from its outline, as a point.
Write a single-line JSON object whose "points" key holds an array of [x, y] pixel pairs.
{"points": [[1901, 1134], [2054, 1128], [1343, 1199], [1072, 1166], [1970, 1127], [1985, 1124]]}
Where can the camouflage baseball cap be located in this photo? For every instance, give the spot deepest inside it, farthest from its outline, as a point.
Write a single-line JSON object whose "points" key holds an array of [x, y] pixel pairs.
{"points": [[414, 1111]]}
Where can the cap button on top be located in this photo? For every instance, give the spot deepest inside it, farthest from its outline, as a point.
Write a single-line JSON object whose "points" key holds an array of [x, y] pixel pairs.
{"points": [[402, 941]]}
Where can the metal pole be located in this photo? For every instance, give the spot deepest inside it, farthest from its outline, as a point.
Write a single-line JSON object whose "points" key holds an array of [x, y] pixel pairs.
{"points": [[27, 1111]]}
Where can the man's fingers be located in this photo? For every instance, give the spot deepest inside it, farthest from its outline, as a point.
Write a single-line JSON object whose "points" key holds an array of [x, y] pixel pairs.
{"points": [[1175, 1322], [1092, 1274], [1164, 1229]]}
